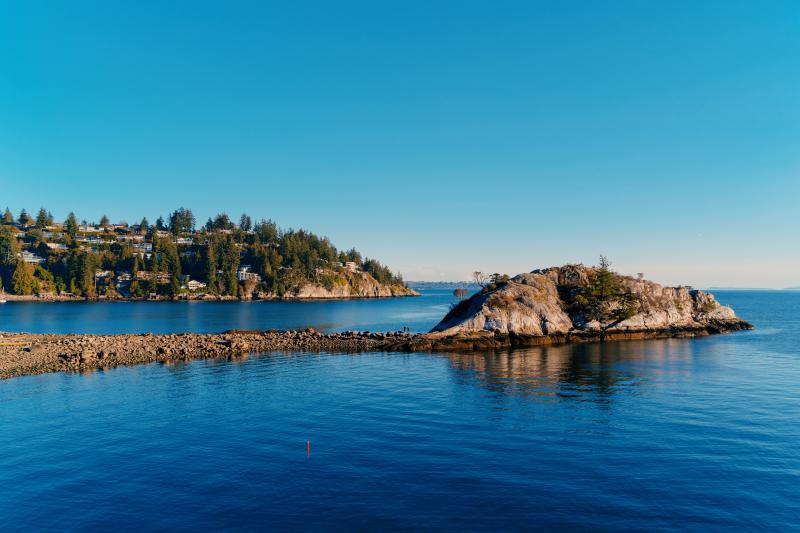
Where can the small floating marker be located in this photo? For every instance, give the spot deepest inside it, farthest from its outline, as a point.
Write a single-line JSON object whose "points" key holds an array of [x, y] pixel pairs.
{"points": [[308, 448]]}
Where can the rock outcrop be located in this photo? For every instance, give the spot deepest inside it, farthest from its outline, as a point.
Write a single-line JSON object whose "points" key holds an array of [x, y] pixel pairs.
{"points": [[349, 285], [551, 303]]}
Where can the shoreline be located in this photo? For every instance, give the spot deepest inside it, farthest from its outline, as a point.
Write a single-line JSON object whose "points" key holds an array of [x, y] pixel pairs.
{"points": [[12, 298], [30, 354]]}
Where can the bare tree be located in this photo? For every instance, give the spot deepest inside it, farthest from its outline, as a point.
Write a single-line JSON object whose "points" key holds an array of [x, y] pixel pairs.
{"points": [[480, 278]]}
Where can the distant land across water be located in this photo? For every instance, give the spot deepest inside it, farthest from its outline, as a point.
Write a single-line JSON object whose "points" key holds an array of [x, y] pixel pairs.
{"points": [[751, 289]]}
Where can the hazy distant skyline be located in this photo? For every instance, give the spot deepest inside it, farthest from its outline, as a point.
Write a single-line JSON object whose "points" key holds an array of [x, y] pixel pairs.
{"points": [[440, 138]]}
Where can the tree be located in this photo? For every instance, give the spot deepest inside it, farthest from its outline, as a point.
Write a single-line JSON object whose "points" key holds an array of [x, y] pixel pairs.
{"points": [[160, 224], [104, 221], [24, 218], [71, 225], [8, 218], [87, 266], [9, 247], [135, 276], [210, 265], [245, 222], [181, 221], [42, 219], [22, 281], [605, 298], [480, 278], [144, 225], [461, 293], [222, 221]]}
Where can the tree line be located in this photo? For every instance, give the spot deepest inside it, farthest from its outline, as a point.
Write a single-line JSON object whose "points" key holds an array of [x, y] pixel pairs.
{"points": [[212, 254]]}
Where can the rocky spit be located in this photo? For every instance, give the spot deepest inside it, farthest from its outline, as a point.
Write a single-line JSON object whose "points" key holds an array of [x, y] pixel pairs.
{"points": [[26, 354]]}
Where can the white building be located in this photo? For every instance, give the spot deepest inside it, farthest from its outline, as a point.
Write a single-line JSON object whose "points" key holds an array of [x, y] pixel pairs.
{"points": [[31, 258], [194, 285], [244, 274]]}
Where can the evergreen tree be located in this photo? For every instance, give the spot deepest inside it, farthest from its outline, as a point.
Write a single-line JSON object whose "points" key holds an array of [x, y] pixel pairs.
{"points": [[210, 265], [134, 276], [8, 218], [104, 222], [144, 225], [71, 225], [9, 247], [245, 222], [42, 219], [181, 221], [605, 298], [22, 281], [24, 218]]}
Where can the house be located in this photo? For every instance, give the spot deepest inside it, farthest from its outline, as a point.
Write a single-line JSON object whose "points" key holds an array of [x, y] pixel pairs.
{"points": [[184, 240], [102, 274], [143, 247], [131, 238], [31, 258], [244, 274], [350, 266], [194, 285], [57, 246]]}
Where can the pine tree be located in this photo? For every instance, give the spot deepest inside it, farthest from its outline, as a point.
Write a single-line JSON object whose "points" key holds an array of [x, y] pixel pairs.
{"points": [[71, 225], [24, 218], [8, 218], [41, 218], [605, 298], [22, 281], [211, 265]]}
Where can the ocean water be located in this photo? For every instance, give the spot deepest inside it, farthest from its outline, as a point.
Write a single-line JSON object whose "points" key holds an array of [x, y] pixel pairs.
{"points": [[700, 434], [416, 313]]}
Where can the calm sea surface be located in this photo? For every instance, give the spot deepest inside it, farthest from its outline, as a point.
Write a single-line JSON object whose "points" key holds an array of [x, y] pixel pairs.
{"points": [[697, 434]]}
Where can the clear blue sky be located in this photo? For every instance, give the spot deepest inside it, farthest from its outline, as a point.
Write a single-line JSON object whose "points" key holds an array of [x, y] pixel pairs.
{"points": [[439, 137]]}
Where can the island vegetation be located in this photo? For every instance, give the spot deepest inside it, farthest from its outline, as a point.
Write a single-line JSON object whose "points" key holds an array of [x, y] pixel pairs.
{"points": [[174, 257]]}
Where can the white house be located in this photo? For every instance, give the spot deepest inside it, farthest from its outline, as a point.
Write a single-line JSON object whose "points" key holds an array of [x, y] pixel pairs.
{"points": [[31, 258]]}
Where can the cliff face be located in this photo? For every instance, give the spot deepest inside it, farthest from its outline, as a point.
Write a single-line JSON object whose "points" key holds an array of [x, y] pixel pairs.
{"points": [[552, 301], [350, 285]]}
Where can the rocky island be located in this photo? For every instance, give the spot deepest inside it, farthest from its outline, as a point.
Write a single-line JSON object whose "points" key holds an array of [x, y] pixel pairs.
{"points": [[571, 303], [576, 303]]}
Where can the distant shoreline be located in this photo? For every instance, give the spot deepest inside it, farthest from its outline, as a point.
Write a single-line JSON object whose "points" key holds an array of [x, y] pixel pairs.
{"points": [[13, 298]]}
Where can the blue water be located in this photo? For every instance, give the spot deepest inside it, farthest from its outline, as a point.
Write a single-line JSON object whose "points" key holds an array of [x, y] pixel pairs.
{"points": [[416, 313], [699, 434]]}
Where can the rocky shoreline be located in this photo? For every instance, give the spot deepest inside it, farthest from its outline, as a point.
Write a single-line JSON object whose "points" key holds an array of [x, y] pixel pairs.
{"points": [[27, 354]]}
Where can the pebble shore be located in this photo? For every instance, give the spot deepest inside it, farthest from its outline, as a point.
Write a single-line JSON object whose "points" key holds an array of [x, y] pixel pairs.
{"points": [[27, 354]]}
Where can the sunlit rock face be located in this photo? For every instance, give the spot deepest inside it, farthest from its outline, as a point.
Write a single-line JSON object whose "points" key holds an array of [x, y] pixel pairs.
{"points": [[547, 302]]}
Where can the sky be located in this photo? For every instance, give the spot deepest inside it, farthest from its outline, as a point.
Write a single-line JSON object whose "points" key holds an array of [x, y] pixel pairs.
{"points": [[439, 137]]}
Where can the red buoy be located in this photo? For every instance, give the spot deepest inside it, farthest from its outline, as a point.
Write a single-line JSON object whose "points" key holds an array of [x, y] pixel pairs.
{"points": [[308, 448]]}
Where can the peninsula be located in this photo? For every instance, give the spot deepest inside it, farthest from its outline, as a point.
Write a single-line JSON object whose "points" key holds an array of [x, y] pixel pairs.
{"points": [[572, 303], [173, 259]]}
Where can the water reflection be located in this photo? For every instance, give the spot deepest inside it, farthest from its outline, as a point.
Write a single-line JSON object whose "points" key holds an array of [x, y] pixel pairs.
{"points": [[582, 372]]}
